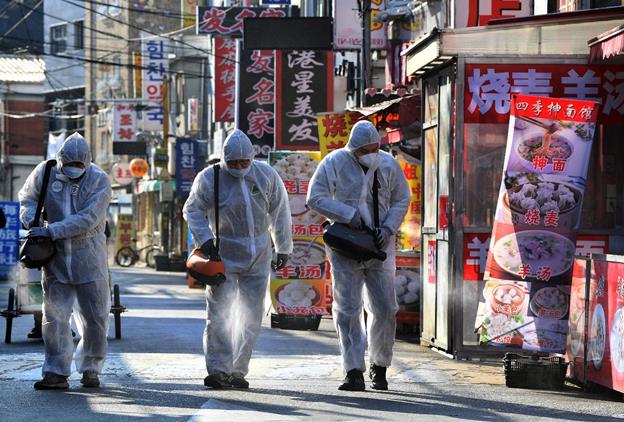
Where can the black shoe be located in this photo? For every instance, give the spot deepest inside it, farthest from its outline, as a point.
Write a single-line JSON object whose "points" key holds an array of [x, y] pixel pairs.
{"points": [[52, 381], [354, 381], [378, 377], [90, 379], [238, 381], [35, 333], [217, 381]]}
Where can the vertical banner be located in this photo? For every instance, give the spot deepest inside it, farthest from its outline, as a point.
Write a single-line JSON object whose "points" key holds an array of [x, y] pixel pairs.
{"points": [[224, 79], [529, 263], [334, 129], [125, 231], [408, 237], [155, 66], [187, 165], [9, 238], [304, 87], [255, 98], [124, 122], [302, 287]]}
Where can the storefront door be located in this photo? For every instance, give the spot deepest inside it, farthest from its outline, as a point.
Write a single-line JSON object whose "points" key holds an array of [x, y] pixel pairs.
{"points": [[437, 124]]}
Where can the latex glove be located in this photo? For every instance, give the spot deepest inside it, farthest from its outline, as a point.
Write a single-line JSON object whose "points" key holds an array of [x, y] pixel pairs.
{"points": [[382, 237], [280, 262], [356, 221], [209, 249], [39, 232]]}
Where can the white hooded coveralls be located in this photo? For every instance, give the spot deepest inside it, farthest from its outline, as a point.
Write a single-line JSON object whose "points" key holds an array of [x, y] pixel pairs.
{"points": [[253, 210], [338, 188], [77, 276]]}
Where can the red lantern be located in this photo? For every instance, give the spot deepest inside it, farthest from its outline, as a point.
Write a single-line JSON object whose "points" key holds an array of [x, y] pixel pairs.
{"points": [[138, 167]]}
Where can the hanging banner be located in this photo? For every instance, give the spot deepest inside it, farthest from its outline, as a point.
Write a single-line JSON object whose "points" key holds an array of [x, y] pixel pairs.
{"points": [[125, 231], [255, 98], [228, 21], [124, 122], [155, 67], [224, 79], [9, 238], [334, 129], [348, 27], [408, 237], [187, 165], [529, 263], [302, 287], [470, 13], [304, 87], [489, 88]]}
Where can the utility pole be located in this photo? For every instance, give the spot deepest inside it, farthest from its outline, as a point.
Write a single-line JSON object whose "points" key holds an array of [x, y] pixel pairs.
{"points": [[365, 17]]}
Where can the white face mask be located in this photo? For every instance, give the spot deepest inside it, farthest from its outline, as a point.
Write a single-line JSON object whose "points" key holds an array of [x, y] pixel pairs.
{"points": [[73, 172], [238, 172], [369, 160]]}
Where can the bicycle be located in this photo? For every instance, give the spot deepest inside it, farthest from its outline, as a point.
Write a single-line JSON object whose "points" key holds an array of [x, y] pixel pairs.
{"points": [[127, 256]]}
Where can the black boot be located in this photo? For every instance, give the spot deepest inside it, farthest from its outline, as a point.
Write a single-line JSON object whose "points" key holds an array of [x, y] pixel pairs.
{"points": [[378, 376], [354, 381]]}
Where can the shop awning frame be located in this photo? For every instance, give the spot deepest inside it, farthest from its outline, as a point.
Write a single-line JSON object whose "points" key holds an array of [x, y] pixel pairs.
{"points": [[607, 45], [565, 37]]}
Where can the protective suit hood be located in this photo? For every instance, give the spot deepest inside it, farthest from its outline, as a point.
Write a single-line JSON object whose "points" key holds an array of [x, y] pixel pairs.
{"points": [[75, 148], [237, 146], [363, 133]]}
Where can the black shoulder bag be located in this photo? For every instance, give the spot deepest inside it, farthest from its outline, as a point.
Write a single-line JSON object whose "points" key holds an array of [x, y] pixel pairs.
{"points": [[38, 251], [355, 244]]}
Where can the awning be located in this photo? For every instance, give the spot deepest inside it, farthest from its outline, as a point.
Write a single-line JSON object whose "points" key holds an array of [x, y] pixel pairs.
{"points": [[395, 116], [153, 185], [606, 45]]}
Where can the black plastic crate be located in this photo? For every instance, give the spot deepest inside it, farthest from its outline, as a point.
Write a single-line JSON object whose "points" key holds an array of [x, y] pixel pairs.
{"points": [[545, 373], [295, 322]]}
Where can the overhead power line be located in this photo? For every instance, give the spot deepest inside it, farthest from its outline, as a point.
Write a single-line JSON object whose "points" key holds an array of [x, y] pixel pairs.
{"points": [[23, 18]]}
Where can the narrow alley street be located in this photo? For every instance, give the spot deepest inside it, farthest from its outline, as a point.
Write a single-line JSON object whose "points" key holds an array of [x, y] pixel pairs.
{"points": [[156, 370]]}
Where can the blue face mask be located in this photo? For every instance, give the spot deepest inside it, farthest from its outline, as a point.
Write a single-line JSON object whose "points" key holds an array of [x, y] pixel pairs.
{"points": [[72, 172]]}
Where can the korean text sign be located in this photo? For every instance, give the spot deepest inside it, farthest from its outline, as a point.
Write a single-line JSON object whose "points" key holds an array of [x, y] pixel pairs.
{"points": [[9, 236], [255, 99], [301, 288], [224, 79], [304, 87], [155, 66], [187, 165], [488, 88], [124, 122], [529, 263], [228, 21]]}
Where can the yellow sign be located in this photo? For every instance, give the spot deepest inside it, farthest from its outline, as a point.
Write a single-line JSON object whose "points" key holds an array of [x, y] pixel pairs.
{"points": [[409, 232], [125, 231], [334, 129]]}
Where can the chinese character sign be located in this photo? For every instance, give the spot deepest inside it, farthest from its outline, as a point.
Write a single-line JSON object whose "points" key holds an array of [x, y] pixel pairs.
{"points": [[224, 79], [155, 66], [304, 86], [9, 236], [124, 122], [531, 253], [301, 288], [480, 12], [187, 165], [125, 231], [489, 88], [255, 102], [228, 21], [408, 237], [334, 129]]}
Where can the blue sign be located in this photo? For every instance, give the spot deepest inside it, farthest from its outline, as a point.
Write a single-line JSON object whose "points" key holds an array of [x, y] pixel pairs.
{"points": [[187, 165], [9, 237], [275, 1]]}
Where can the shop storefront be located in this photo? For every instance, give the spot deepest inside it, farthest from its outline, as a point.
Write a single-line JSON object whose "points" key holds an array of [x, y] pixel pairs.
{"points": [[467, 78]]}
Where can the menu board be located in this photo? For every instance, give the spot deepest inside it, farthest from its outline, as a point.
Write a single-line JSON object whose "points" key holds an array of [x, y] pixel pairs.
{"points": [[302, 287], [529, 263]]}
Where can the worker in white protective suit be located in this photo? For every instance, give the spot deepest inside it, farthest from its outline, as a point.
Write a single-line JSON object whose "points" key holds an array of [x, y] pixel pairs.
{"points": [[78, 194], [253, 210], [341, 190]]}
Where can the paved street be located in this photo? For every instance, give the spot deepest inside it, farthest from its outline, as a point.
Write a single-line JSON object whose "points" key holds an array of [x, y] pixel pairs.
{"points": [[156, 370]]}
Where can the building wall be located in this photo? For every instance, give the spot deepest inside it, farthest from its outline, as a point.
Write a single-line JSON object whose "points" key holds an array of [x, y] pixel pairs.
{"points": [[25, 136]]}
